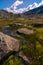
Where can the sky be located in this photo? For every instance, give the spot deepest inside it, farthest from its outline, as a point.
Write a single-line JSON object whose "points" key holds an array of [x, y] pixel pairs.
{"points": [[8, 3]]}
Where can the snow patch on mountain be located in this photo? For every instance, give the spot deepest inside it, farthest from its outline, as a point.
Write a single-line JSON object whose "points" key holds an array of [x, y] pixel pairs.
{"points": [[41, 3], [34, 5], [14, 6]]}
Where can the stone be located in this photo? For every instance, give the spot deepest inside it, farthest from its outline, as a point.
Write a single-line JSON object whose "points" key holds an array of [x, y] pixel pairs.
{"points": [[7, 44], [25, 31]]}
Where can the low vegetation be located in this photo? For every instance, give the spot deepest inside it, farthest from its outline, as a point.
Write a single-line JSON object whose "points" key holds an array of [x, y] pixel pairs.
{"points": [[31, 45]]}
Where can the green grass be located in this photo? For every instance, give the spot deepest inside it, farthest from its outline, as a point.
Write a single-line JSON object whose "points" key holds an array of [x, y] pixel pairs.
{"points": [[31, 45], [13, 60], [23, 20]]}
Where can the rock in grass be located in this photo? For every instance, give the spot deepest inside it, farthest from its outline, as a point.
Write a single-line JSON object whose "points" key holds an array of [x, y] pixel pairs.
{"points": [[7, 44], [25, 31]]}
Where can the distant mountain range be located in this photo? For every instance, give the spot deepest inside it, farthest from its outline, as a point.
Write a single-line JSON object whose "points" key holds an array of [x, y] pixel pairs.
{"points": [[8, 15], [13, 7], [5, 14], [21, 10], [34, 12], [37, 12], [34, 8]]}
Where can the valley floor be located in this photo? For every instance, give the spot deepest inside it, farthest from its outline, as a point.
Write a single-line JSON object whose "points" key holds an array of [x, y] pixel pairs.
{"points": [[24, 42]]}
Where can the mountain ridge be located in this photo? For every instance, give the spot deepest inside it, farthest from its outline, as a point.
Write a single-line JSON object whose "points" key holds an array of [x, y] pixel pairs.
{"points": [[34, 12], [38, 10], [13, 7]]}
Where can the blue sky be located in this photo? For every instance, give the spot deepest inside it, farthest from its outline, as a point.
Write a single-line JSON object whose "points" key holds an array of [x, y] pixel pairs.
{"points": [[8, 3]]}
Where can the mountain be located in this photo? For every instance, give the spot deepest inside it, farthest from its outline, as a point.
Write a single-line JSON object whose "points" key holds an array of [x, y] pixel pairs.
{"points": [[33, 12], [4, 14], [13, 7], [12, 13], [38, 10], [21, 10]]}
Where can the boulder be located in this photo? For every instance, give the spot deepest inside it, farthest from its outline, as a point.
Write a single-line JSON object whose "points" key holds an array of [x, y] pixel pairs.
{"points": [[25, 31], [7, 44]]}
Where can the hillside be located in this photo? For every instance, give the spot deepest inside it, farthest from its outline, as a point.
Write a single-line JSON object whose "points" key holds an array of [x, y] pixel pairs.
{"points": [[38, 10], [5, 14]]}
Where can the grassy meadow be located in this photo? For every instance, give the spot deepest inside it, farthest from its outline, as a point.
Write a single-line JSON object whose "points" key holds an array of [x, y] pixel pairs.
{"points": [[31, 45]]}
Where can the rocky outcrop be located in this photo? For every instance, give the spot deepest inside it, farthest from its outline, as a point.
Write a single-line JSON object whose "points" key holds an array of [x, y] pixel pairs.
{"points": [[7, 44]]}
